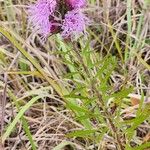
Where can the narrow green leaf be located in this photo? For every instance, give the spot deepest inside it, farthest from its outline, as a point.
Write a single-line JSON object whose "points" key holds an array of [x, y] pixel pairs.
{"points": [[76, 108], [143, 146], [81, 133]]}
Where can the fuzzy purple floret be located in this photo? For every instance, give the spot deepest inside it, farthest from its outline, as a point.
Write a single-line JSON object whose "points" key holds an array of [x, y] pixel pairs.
{"points": [[75, 4], [39, 15], [43, 19], [74, 24]]}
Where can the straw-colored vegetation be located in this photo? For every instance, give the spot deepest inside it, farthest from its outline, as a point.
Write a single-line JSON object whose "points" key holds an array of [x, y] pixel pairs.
{"points": [[90, 94]]}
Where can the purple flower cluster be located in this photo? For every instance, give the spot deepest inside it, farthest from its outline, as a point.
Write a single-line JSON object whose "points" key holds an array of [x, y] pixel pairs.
{"points": [[43, 15], [74, 4], [39, 16], [74, 22]]}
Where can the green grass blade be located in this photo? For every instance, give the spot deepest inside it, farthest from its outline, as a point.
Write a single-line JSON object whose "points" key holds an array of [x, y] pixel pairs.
{"points": [[81, 133], [18, 116], [24, 122], [62, 145]]}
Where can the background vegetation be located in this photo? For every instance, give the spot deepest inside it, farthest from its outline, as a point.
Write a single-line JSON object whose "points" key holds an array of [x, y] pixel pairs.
{"points": [[90, 94]]}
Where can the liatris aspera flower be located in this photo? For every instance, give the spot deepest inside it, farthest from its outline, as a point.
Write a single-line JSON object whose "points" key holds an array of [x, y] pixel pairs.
{"points": [[43, 19], [75, 4], [74, 24], [40, 14]]}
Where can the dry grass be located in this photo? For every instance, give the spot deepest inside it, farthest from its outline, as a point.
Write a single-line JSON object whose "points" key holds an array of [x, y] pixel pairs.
{"points": [[115, 31]]}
